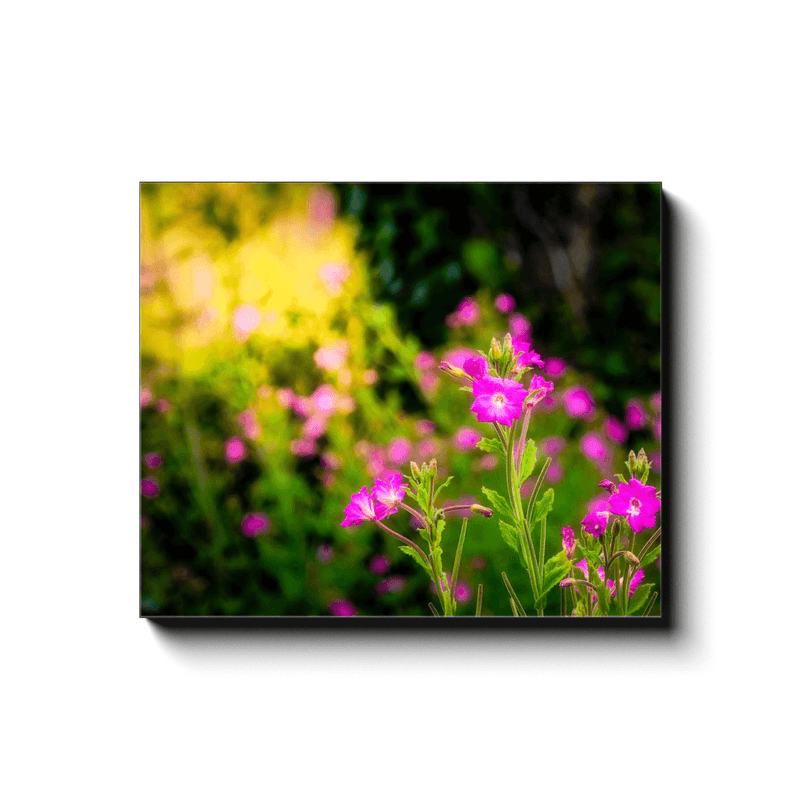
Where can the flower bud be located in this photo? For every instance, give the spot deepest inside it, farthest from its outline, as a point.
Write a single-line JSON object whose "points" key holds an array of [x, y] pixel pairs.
{"points": [[508, 344], [456, 372], [495, 351], [415, 473], [630, 558], [482, 510], [433, 468]]}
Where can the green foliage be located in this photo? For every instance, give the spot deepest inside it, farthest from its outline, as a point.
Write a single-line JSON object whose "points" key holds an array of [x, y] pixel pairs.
{"points": [[498, 502]]}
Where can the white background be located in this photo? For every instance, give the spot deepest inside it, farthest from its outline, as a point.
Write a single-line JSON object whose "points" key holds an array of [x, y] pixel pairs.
{"points": [[100, 704]]}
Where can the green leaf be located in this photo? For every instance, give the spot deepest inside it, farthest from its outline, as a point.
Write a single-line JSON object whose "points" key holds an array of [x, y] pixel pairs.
{"points": [[436, 493], [603, 592], [555, 570], [498, 503], [440, 525], [543, 506], [418, 558], [650, 556], [591, 556], [465, 389], [528, 461], [640, 598], [491, 446], [510, 535]]}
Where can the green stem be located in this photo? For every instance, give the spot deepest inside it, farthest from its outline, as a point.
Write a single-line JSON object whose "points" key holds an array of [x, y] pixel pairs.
{"points": [[514, 598], [403, 539], [457, 563], [479, 602]]}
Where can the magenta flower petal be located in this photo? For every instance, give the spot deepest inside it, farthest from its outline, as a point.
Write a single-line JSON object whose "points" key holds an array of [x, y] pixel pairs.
{"points": [[638, 503], [497, 400]]}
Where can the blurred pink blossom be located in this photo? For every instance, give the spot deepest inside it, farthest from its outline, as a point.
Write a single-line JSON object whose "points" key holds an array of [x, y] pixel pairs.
{"points": [[314, 427], [466, 438], [398, 450], [526, 489], [553, 445], [235, 450], [163, 405], [342, 608], [555, 367], [428, 448], [657, 428], [478, 562], [379, 564], [425, 427], [152, 460], [375, 462], [323, 399], [328, 479], [330, 461], [599, 505], [370, 377], [488, 462], [468, 313], [429, 383], [254, 524], [519, 327], [151, 487], [504, 303], [615, 430], [392, 584], [324, 554], [578, 402], [555, 473], [333, 276], [145, 397], [303, 447], [655, 461], [457, 356], [245, 320], [593, 446], [333, 356], [322, 206], [655, 401], [346, 404], [249, 423], [424, 361], [285, 397], [464, 500], [463, 592], [635, 414]]}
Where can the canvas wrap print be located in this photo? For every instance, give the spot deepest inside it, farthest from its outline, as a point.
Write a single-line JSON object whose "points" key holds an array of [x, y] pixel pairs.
{"points": [[401, 401]]}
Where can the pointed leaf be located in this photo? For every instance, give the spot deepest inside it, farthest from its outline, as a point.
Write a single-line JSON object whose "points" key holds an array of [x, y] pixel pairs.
{"points": [[528, 461], [510, 535], [640, 597], [498, 502], [543, 506], [491, 446], [555, 570], [650, 556], [439, 489]]}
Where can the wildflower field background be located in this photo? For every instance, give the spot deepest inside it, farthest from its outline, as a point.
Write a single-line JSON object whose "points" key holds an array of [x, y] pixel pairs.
{"points": [[291, 337]]}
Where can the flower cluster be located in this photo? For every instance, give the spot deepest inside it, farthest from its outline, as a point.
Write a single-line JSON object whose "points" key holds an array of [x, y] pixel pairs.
{"points": [[371, 505]]}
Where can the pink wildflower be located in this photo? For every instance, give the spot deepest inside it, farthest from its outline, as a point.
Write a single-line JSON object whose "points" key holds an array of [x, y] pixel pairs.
{"points": [[635, 414], [568, 538], [152, 460], [362, 509], [398, 451], [610, 583], [615, 430], [466, 438], [526, 354], [235, 450], [388, 494], [342, 608], [595, 448], [595, 523], [504, 303], [378, 565], [255, 524], [476, 367], [608, 486], [539, 389], [638, 503], [151, 487], [145, 397], [497, 400], [555, 367], [578, 402], [636, 581]]}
